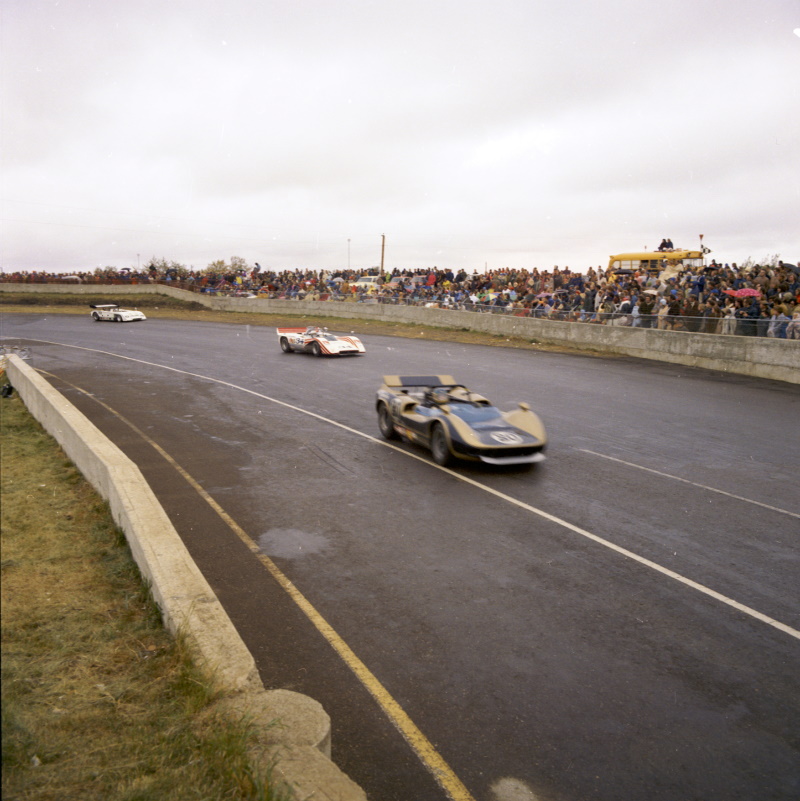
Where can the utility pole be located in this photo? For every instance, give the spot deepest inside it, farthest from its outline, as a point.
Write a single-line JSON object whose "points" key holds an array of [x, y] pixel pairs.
{"points": [[383, 250]]}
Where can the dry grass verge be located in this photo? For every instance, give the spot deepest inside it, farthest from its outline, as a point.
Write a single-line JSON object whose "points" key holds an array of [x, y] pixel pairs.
{"points": [[75, 304], [98, 701]]}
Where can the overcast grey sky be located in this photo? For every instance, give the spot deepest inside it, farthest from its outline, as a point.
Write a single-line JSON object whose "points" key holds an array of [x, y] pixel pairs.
{"points": [[295, 134]]}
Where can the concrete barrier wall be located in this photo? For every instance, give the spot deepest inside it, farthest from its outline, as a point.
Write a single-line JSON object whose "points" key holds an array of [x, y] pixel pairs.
{"points": [[777, 359], [82, 289], [298, 749]]}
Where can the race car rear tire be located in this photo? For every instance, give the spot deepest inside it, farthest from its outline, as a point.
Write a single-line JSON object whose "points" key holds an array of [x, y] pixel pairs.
{"points": [[285, 346], [117, 318], [96, 317], [385, 422], [316, 349], [439, 447]]}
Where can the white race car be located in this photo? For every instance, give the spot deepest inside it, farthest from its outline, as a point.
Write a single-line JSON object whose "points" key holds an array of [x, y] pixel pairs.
{"points": [[110, 312], [318, 341]]}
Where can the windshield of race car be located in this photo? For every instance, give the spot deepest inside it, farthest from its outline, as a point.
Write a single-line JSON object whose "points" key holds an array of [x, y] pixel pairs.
{"points": [[474, 414]]}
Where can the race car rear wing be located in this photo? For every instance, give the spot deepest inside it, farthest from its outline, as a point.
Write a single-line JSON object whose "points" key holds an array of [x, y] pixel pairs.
{"points": [[420, 381], [290, 331], [103, 306]]}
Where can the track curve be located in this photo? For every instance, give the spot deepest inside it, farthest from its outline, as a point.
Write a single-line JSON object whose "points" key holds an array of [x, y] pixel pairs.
{"points": [[543, 629]]}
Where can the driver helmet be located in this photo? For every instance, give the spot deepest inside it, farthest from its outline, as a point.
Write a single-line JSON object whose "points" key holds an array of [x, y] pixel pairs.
{"points": [[440, 395]]}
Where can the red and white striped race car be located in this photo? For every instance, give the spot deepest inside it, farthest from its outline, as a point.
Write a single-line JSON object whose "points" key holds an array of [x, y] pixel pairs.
{"points": [[318, 341]]}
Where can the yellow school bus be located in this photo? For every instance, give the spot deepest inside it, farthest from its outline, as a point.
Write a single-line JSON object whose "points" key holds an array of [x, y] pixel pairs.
{"points": [[656, 261]]}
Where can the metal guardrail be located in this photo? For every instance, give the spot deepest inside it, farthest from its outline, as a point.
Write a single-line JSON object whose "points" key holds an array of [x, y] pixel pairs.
{"points": [[731, 326]]}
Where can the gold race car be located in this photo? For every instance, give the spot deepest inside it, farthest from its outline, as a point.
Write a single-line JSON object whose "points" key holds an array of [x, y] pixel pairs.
{"points": [[455, 423]]}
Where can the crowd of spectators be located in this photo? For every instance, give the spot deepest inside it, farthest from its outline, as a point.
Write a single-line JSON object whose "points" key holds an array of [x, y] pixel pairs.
{"points": [[715, 299]]}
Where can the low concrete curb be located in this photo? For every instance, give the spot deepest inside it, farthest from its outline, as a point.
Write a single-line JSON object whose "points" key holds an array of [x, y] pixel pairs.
{"points": [[294, 730]]}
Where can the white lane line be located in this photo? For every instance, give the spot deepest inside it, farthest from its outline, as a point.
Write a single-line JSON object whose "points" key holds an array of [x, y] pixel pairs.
{"points": [[693, 483], [665, 571]]}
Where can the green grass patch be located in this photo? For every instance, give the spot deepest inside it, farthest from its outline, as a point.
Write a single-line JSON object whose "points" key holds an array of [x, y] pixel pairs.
{"points": [[98, 700]]}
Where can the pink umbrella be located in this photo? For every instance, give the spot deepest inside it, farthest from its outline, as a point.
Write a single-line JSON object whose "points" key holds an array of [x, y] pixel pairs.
{"points": [[747, 292]]}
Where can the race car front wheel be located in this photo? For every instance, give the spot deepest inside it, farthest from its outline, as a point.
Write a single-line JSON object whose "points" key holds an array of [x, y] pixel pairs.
{"points": [[285, 346], [316, 349], [385, 422], [439, 447]]}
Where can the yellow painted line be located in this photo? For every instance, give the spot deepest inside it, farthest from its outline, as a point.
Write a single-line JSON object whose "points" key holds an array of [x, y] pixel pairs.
{"points": [[424, 749]]}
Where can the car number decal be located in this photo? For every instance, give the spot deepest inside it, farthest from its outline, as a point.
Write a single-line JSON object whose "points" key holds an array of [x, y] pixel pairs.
{"points": [[506, 437]]}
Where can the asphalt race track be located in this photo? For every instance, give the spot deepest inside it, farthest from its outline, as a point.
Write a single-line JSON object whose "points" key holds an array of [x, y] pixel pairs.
{"points": [[619, 622]]}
